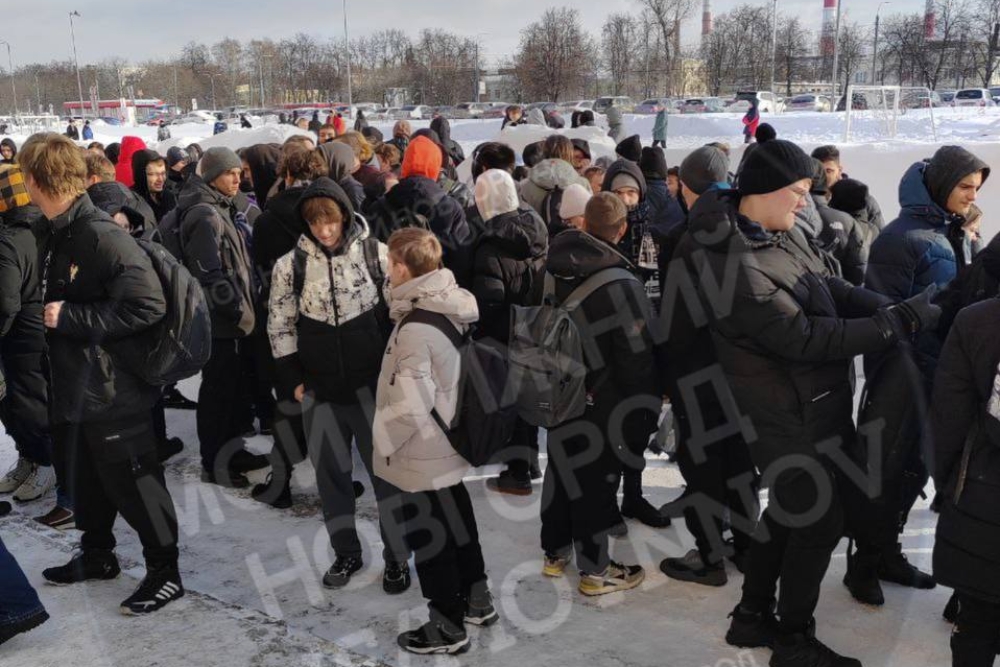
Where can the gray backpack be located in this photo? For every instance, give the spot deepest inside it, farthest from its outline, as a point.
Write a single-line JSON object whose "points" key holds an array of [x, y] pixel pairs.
{"points": [[548, 371]]}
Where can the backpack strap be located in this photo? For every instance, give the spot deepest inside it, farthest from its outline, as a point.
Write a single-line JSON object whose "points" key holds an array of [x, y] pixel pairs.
{"points": [[436, 320], [370, 248], [594, 283]]}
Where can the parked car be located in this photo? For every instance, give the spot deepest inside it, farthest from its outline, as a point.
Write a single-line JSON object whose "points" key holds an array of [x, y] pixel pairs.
{"points": [[920, 100], [547, 107], [413, 112], [496, 110], [974, 97], [199, 116], [703, 105], [624, 104], [472, 109], [810, 102], [858, 102], [947, 97], [767, 102], [653, 106], [577, 105], [995, 92]]}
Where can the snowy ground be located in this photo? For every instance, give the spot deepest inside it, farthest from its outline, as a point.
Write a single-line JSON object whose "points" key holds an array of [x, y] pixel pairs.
{"points": [[255, 598]]}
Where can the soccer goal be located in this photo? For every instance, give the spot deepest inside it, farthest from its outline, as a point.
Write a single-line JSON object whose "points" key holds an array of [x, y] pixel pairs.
{"points": [[873, 113]]}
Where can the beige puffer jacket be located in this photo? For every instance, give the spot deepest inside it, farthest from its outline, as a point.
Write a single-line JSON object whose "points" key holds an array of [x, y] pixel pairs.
{"points": [[420, 371]]}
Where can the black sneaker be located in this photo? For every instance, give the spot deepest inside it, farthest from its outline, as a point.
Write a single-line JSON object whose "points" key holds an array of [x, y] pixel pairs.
{"points": [[693, 568], [802, 650], [244, 461], [273, 493], [862, 578], [535, 472], [229, 479], [951, 609], [339, 574], [752, 629], [10, 630], [509, 483], [641, 510], [168, 449], [92, 564], [479, 609], [434, 638], [175, 400], [159, 588], [396, 578], [895, 568]]}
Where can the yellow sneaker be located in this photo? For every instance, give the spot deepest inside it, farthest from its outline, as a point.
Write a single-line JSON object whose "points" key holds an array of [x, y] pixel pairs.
{"points": [[617, 577], [555, 566]]}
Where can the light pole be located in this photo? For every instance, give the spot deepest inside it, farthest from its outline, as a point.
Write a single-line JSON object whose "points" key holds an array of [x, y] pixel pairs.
{"points": [[774, 41], [347, 42], [76, 61], [836, 51], [875, 47], [13, 86]]}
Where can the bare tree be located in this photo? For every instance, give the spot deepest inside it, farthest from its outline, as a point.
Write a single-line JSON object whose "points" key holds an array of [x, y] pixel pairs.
{"points": [[556, 55], [985, 25], [668, 15], [790, 50], [621, 44], [852, 51]]}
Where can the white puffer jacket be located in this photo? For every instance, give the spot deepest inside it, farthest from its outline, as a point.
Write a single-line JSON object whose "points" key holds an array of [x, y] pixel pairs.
{"points": [[420, 372]]}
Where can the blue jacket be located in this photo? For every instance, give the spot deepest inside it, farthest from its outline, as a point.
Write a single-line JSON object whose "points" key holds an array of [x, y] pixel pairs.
{"points": [[88, 133], [665, 212]]}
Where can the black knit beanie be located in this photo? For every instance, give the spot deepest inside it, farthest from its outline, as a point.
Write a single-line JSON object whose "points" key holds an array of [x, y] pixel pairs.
{"points": [[774, 165]]}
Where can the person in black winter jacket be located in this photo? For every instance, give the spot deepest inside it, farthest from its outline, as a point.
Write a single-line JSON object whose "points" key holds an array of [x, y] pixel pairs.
{"points": [[624, 178], [852, 198], [507, 270], [340, 161], [262, 163], [328, 330], [579, 506], [786, 342], [315, 123], [275, 234], [830, 157], [418, 201], [215, 252], [150, 171], [24, 408], [101, 296], [965, 432], [443, 129]]}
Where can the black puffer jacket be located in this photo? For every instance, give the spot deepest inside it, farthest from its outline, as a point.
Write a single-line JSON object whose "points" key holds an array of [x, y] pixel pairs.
{"points": [[616, 319], [837, 234], [216, 254], [160, 204], [263, 162], [964, 411], [454, 150], [113, 197], [339, 160], [508, 269], [788, 334], [275, 234], [110, 294], [638, 217], [422, 197]]}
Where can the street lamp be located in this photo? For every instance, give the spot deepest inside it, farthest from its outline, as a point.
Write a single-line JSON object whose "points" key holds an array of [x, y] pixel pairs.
{"points": [[875, 48], [76, 61], [13, 86], [347, 47]]}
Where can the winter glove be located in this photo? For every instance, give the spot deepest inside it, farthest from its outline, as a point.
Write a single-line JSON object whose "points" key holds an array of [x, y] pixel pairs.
{"points": [[910, 317]]}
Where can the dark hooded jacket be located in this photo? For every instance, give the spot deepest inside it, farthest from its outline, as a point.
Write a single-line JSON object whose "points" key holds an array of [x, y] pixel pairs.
{"points": [[834, 232], [113, 198], [161, 204], [216, 254], [508, 268], [787, 341], [454, 150], [615, 321], [111, 293], [275, 234], [7, 141], [339, 161], [965, 432], [263, 162], [638, 216], [416, 199], [852, 197], [331, 337]]}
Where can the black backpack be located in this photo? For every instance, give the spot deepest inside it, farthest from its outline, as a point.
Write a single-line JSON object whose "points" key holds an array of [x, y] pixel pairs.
{"points": [[168, 231], [550, 207], [485, 416], [178, 346]]}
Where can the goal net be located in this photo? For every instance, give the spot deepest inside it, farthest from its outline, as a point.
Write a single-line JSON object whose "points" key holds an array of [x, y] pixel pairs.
{"points": [[874, 113]]}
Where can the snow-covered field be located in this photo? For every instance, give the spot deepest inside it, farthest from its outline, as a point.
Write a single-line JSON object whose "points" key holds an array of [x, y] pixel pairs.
{"points": [[253, 573]]}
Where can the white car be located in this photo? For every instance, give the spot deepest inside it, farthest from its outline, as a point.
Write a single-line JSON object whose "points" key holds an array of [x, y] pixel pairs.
{"points": [[809, 102], [577, 105], [199, 116], [413, 112], [767, 102], [474, 109], [974, 97]]}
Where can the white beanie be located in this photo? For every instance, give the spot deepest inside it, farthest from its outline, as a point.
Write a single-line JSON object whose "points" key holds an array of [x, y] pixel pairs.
{"points": [[574, 201], [496, 194]]}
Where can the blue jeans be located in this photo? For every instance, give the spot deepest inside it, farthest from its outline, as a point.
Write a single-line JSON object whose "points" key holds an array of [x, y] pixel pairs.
{"points": [[18, 599]]}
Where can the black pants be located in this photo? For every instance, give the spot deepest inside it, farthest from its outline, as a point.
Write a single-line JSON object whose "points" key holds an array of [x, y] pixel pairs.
{"points": [[800, 528], [258, 395], [976, 639], [659, 143], [523, 450], [221, 400], [442, 532], [114, 471], [24, 410], [578, 494], [724, 478]]}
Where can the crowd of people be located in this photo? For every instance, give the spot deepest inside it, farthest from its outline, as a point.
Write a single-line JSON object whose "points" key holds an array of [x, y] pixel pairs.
{"points": [[350, 278]]}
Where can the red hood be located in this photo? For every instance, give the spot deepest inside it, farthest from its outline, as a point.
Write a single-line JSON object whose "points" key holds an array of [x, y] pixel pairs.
{"points": [[123, 170]]}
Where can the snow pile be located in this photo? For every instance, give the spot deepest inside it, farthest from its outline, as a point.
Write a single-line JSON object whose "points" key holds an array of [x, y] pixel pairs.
{"points": [[184, 135]]}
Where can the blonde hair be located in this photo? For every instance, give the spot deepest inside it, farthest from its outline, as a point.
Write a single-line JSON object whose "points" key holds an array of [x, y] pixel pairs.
{"points": [[55, 164], [416, 249], [362, 149], [100, 166]]}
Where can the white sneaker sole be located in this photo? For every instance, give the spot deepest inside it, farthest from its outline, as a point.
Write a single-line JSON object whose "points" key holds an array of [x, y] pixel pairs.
{"points": [[485, 621], [613, 588], [450, 649]]}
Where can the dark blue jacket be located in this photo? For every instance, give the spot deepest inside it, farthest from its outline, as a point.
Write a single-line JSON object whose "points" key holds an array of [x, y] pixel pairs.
{"points": [[664, 211]]}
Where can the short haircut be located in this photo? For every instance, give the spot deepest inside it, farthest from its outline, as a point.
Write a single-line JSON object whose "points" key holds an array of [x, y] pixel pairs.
{"points": [[159, 159], [321, 209], [362, 149], [389, 154], [99, 166], [301, 163], [558, 147], [493, 155], [590, 172], [674, 171], [55, 163], [95, 145], [328, 128], [827, 154], [417, 249], [302, 139]]}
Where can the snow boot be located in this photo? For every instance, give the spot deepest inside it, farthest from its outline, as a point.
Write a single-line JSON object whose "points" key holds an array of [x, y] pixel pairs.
{"points": [[862, 578], [751, 629], [894, 567], [803, 650], [695, 569], [91, 564], [434, 638]]}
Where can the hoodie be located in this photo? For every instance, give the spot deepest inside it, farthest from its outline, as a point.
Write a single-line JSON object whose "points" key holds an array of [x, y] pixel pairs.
{"points": [[263, 161], [420, 373], [536, 117], [547, 176], [331, 337], [123, 168], [7, 141], [638, 216], [339, 160], [443, 129], [160, 204], [615, 129]]}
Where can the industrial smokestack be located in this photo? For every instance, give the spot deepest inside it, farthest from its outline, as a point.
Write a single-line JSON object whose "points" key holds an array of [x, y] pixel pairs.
{"points": [[827, 38], [930, 21], [706, 19]]}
